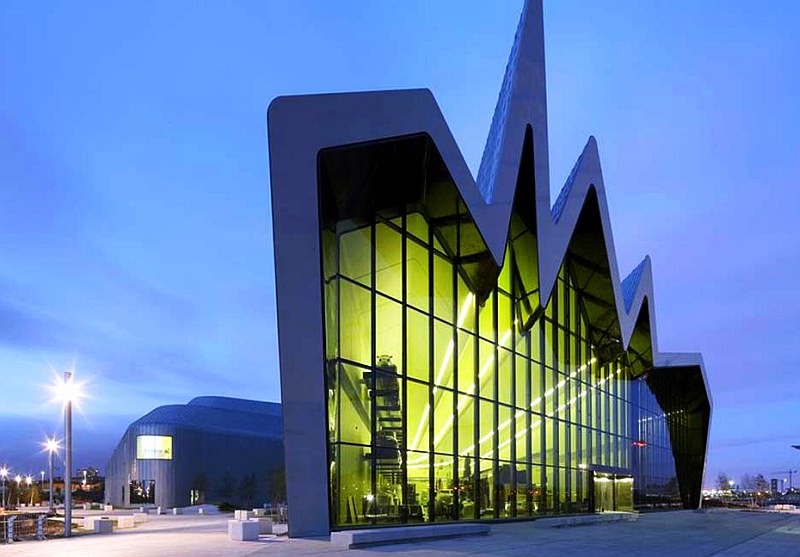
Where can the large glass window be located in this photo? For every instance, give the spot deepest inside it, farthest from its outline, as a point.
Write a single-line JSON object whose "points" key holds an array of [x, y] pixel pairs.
{"points": [[449, 402]]}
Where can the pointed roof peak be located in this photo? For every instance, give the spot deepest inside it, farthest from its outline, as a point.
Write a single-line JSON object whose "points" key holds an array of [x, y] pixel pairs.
{"points": [[522, 101]]}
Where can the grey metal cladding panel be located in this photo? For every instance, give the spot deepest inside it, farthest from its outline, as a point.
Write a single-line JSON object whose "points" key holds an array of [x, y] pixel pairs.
{"points": [[237, 405], [223, 419], [630, 284], [300, 126]]}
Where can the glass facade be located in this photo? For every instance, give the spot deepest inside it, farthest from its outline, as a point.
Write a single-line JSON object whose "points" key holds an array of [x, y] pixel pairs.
{"points": [[453, 395]]}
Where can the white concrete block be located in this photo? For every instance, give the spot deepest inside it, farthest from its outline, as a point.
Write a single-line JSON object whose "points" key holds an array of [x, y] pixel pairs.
{"points": [[176, 511], [357, 538], [108, 508], [264, 524], [243, 530], [139, 518], [103, 526], [125, 521], [243, 515], [259, 512]]}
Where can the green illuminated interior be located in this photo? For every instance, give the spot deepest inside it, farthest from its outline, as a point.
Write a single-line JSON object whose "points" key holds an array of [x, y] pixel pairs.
{"points": [[452, 395]]}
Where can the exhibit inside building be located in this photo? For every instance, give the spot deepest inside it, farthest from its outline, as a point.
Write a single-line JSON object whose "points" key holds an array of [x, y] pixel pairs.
{"points": [[457, 348]]}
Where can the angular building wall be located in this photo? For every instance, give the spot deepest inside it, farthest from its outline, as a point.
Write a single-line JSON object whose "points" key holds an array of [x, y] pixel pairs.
{"points": [[453, 349]]}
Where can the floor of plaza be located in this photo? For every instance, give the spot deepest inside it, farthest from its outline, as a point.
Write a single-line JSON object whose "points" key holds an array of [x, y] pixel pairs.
{"points": [[685, 533]]}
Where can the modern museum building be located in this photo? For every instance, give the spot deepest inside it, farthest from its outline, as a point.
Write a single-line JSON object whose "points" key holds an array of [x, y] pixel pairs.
{"points": [[454, 348], [211, 450]]}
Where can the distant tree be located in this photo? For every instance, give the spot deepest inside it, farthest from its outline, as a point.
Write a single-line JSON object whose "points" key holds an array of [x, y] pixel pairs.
{"points": [[761, 484], [276, 485], [672, 487], [200, 482], [247, 487], [723, 482], [227, 486]]}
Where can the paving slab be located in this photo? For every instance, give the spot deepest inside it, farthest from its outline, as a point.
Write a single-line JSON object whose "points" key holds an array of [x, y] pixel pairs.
{"points": [[683, 533]]}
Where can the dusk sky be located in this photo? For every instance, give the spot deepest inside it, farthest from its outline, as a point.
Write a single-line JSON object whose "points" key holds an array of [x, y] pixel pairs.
{"points": [[135, 224]]}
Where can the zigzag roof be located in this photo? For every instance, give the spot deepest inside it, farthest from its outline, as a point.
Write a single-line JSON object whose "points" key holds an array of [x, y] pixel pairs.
{"points": [[340, 119]]}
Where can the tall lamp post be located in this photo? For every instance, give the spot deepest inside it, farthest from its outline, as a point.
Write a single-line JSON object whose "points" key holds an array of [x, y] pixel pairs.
{"points": [[52, 447], [29, 481], [69, 392], [18, 479], [4, 476], [68, 454]]}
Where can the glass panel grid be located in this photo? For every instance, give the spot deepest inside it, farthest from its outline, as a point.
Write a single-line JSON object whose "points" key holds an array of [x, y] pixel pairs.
{"points": [[442, 406]]}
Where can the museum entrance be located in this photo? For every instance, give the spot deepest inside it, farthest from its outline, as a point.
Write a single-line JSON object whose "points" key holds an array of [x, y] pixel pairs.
{"points": [[142, 492], [611, 492]]}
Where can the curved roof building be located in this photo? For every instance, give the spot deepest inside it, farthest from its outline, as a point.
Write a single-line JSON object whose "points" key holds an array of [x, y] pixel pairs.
{"points": [[459, 348], [212, 449]]}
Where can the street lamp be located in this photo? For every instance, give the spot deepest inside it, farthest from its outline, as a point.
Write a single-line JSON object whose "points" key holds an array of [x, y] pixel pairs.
{"points": [[52, 448], [4, 476], [29, 481], [18, 479], [69, 392]]}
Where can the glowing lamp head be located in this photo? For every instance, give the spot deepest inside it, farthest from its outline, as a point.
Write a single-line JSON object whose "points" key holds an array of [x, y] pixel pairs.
{"points": [[3, 472], [29, 480], [18, 479], [51, 445], [66, 390]]}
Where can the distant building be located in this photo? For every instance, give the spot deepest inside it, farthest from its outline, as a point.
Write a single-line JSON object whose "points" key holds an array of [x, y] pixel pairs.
{"points": [[213, 449], [773, 486], [89, 479]]}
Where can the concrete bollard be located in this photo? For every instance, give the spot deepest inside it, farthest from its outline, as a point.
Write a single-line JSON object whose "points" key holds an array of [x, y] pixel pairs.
{"points": [[264, 524], [242, 530], [103, 525], [40, 526]]}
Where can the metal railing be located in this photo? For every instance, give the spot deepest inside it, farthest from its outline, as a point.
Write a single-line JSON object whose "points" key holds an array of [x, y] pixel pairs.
{"points": [[279, 513], [29, 526]]}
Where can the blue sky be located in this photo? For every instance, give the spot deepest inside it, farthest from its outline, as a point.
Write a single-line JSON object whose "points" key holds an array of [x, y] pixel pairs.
{"points": [[134, 193]]}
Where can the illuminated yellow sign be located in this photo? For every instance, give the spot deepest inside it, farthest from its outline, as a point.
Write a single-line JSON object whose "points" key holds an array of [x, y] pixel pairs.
{"points": [[154, 447]]}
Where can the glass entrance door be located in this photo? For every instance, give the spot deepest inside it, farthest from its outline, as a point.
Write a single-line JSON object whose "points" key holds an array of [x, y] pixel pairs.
{"points": [[612, 492], [603, 492]]}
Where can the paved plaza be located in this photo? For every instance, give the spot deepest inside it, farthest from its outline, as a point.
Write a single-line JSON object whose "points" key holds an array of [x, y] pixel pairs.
{"points": [[684, 533]]}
